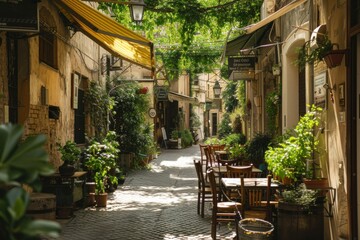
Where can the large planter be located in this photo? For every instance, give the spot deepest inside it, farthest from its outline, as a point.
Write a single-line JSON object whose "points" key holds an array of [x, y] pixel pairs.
{"points": [[66, 170], [101, 199], [297, 222]]}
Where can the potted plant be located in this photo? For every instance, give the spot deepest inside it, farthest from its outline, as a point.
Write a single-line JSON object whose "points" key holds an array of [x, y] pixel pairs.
{"points": [[303, 207], [70, 154], [289, 158], [308, 55], [324, 51], [101, 159]]}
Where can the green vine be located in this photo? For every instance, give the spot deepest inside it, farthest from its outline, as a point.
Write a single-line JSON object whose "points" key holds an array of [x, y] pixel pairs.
{"points": [[229, 96], [188, 35], [241, 96], [272, 103], [100, 106]]}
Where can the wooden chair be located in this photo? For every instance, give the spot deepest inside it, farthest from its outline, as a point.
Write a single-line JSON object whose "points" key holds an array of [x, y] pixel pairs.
{"points": [[239, 171], [227, 211], [202, 154], [210, 158], [259, 202], [211, 163], [204, 191], [217, 147]]}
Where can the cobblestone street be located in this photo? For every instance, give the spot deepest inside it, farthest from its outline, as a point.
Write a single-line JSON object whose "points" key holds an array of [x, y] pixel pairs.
{"points": [[159, 203]]}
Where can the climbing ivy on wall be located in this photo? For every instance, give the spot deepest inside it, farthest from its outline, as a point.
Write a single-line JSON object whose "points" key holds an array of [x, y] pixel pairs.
{"points": [[188, 35]]}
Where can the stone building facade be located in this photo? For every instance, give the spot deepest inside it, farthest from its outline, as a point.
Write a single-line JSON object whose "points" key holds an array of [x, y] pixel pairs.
{"points": [[335, 89], [44, 75]]}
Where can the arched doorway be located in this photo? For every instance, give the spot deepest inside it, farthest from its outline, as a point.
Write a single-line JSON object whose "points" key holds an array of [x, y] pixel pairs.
{"points": [[294, 87]]}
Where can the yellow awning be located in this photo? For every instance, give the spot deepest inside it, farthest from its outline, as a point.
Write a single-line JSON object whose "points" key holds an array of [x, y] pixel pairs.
{"points": [[275, 15], [109, 34]]}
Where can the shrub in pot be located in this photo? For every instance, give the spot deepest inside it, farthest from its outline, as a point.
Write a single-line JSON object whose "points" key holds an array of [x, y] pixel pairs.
{"points": [[289, 158], [101, 160], [300, 214], [70, 154]]}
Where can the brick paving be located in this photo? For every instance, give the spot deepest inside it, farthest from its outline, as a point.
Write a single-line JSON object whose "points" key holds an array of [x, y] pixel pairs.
{"points": [[158, 203]]}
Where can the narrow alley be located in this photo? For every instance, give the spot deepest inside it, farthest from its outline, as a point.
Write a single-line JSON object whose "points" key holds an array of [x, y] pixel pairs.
{"points": [[159, 203]]}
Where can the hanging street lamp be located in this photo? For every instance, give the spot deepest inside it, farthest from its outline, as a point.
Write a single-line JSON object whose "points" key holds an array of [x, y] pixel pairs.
{"points": [[217, 89], [137, 10], [136, 7]]}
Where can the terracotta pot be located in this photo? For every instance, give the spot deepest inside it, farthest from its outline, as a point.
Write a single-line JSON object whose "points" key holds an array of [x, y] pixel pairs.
{"points": [[320, 184], [334, 58], [287, 181], [91, 199], [101, 199]]}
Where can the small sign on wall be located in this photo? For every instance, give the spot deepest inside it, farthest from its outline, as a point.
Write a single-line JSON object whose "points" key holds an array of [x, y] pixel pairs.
{"points": [[319, 90], [75, 79], [342, 94]]}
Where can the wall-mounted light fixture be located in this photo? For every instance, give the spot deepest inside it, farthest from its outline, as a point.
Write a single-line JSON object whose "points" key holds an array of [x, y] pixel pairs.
{"points": [[276, 70], [331, 90]]}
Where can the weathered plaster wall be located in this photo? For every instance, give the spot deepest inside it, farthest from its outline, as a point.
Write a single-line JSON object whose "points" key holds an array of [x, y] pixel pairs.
{"points": [[334, 15], [77, 54], [333, 139]]}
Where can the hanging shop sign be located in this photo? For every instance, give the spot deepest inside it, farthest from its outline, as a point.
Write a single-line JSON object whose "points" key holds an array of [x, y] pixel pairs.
{"points": [[161, 93], [241, 68], [19, 15]]}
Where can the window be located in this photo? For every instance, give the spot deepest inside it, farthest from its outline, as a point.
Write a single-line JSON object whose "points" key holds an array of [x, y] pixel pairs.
{"points": [[47, 39]]}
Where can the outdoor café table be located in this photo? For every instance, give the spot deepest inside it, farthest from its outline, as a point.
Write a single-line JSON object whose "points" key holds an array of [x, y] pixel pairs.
{"points": [[221, 170], [228, 184], [234, 183]]}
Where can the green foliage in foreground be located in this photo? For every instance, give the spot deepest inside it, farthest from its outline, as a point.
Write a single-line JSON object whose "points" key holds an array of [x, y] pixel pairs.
{"points": [[21, 162]]}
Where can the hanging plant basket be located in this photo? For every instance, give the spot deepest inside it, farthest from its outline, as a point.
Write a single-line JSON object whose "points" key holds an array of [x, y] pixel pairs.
{"points": [[334, 58]]}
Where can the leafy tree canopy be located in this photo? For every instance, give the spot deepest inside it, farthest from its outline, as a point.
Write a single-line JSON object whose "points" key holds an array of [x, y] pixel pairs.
{"points": [[188, 35]]}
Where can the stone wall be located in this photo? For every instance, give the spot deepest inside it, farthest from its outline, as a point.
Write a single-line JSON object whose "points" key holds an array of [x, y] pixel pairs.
{"points": [[38, 122]]}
